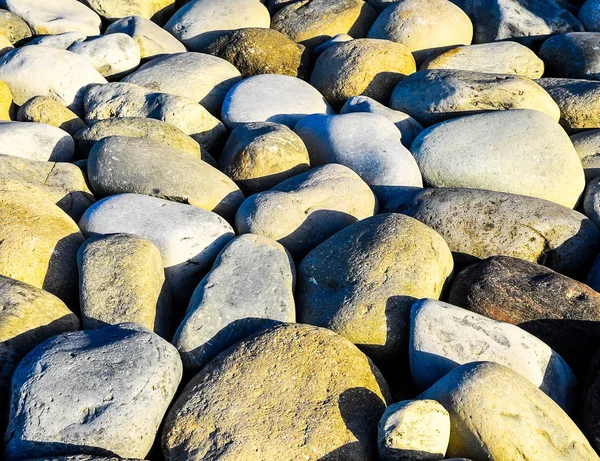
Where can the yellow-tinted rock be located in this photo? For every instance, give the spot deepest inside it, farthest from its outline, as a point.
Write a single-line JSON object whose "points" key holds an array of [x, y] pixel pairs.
{"points": [[6, 100], [158, 10], [5, 45], [39, 244], [42, 109], [294, 392], [13, 27]]}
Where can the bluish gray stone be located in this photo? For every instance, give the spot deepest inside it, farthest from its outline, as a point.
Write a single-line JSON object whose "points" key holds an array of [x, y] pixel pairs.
{"points": [[572, 55]]}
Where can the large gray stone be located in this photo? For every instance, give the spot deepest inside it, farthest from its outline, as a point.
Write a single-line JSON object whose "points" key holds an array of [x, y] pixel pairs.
{"points": [[305, 210], [519, 151], [200, 77], [443, 337], [36, 141], [99, 392], [188, 238], [249, 288], [478, 224], [591, 200], [367, 143], [572, 55], [272, 98], [587, 146], [362, 281], [61, 41], [589, 15], [120, 165]]}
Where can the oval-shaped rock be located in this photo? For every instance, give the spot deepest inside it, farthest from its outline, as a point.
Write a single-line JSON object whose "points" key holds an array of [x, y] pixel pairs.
{"points": [[362, 281], [305, 210], [121, 279], [589, 15], [369, 144], [495, 58], [99, 391], [272, 98], [424, 27], [572, 55], [560, 311], [478, 224], [6, 102], [42, 71], [591, 200], [432, 96], [587, 146], [157, 10], [312, 22], [200, 77], [188, 238], [521, 152], [365, 66], [120, 165], [42, 109], [36, 141], [249, 288], [307, 393], [260, 155], [200, 22], [13, 27], [113, 55], [443, 337]]}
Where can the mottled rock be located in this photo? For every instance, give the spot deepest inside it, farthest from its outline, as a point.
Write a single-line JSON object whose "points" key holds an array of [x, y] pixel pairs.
{"points": [[42, 109], [495, 413], [200, 77], [425, 28], [250, 288], [572, 55], [152, 40], [13, 27], [365, 66], [200, 22], [432, 96], [307, 394], [55, 17], [478, 224], [587, 146], [39, 243], [101, 391], [189, 238], [521, 152], [413, 430], [121, 279], [272, 98], [255, 51], [61, 183], [157, 10], [589, 15], [495, 58], [127, 100], [367, 143], [312, 22], [42, 71], [362, 281], [113, 55], [560, 311], [305, 210], [443, 337], [260, 155]]}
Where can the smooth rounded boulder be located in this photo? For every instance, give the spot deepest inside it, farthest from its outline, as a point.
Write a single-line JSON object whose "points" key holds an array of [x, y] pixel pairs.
{"points": [[587, 146], [590, 415], [189, 238], [157, 10], [200, 77], [260, 155], [495, 58], [572, 55], [200, 22], [305, 210], [520, 151], [362, 281], [443, 337], [432, 96], [249, 289], [42, 109], [121, 279], [561, 311], [42, 71], [423, 27], [591, 201], [478, 224], [272, 98], [13, 27], [97, 392], [36, 141], [364, 66], [589, 15], [121, 165], [318, 395], [369, 144]]}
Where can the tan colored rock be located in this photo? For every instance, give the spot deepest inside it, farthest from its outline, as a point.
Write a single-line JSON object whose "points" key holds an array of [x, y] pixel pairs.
{"points": [[365, 66], [62, 183], [42, 109], [5, 45], [292, 392], [158, 10], [13, 27], [39, 244], [497, 414], [6, 101], [121, 279]]}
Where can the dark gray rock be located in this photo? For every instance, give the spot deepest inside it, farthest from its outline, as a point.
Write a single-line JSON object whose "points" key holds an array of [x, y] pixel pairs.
{"points": [[572, 55]]}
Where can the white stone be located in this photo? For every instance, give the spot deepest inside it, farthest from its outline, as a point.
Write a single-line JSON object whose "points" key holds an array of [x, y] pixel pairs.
{"points": [[443, 336], [61, 41], [36, 141], [272, 98], [111, 55]]}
